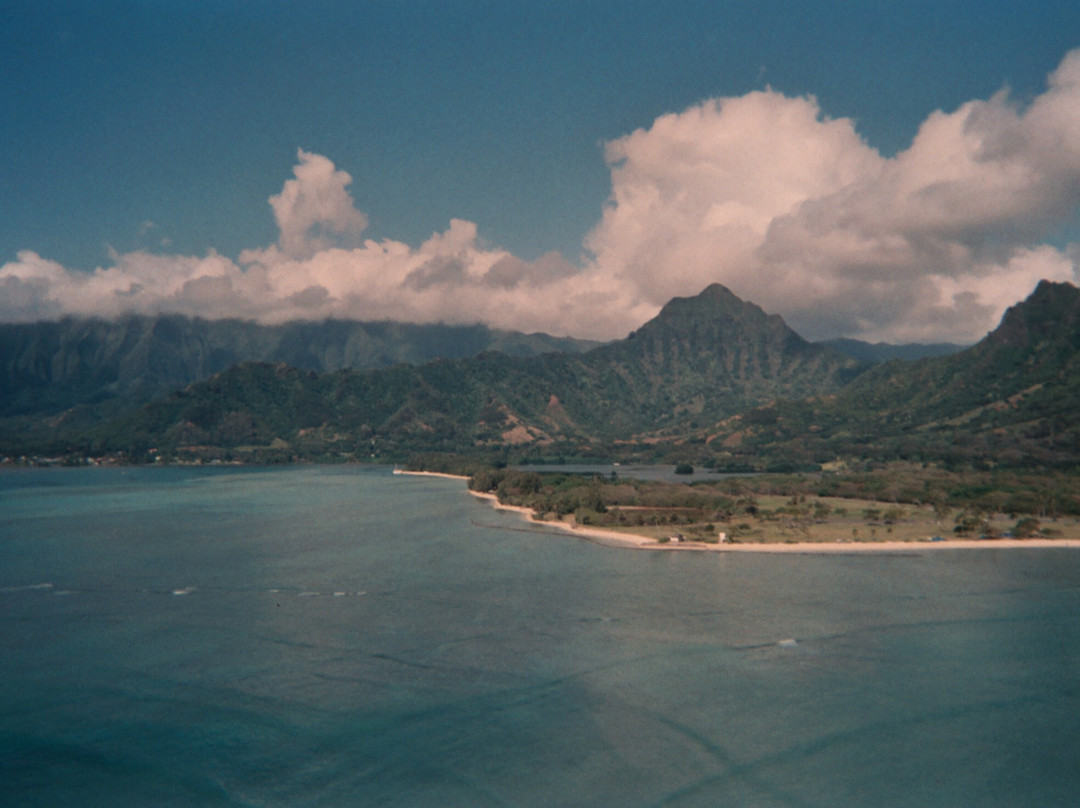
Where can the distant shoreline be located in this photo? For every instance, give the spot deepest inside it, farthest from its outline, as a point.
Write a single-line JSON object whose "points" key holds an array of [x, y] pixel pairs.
{"points": [[615, 538], [431, 474]]}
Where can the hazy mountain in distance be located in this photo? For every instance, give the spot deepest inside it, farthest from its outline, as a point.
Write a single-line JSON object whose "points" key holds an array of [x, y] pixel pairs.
{"points": [[701, 358], [876, 352], [49, 367], [711, 378]]}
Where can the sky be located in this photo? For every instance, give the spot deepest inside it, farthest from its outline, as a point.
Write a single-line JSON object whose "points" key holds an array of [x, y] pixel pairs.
{"points": [[897, 172]]}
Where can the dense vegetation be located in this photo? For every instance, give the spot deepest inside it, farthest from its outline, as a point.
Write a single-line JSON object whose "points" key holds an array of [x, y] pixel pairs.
{"points": [[876, 497], [878, 352], [711, 382], [90, 370], [1012, 400], [976, 443], [702, 359]]}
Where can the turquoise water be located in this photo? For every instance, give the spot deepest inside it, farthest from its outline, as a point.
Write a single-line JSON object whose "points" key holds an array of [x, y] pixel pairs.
{"points": [[337, 637]]}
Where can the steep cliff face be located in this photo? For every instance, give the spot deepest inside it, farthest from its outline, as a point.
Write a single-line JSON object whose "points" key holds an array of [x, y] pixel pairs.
{"points": [[712, 370], [52, 366], [1049, 316], [1037, 342], [1012, 398], [718, 354], [701, 358]]}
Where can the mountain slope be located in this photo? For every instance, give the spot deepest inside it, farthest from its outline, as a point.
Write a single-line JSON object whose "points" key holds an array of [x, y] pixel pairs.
{"points": [[883, 352], [727, 353], [1013, 397], [49, 367], [700, 359], [711, 378]]}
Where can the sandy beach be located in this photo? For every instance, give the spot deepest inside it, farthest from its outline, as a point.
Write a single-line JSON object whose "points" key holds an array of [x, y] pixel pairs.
{"points": [[614, 538], [432, 474], [617, 538]]}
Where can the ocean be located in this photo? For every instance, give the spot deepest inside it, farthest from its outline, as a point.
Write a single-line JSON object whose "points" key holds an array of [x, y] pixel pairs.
{"points": [[342, 636]]}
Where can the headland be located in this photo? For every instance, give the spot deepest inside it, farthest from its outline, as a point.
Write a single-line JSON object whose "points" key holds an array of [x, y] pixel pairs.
{"points": [[628, 539]]}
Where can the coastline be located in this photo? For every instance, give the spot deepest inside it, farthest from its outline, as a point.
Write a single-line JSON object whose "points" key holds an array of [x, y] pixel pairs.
{"points": [[615, 538], [431, 474]]}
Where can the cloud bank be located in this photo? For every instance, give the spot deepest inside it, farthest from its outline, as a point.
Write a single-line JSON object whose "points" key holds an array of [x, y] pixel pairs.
{"points": [[797, 213], [762, 192]]}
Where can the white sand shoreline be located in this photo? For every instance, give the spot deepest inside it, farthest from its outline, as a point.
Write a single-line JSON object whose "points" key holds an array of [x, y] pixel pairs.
{"points": [[431, 474], [616, 538]]}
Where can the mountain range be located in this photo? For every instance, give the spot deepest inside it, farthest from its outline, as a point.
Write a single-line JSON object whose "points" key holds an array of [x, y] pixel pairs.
{"points": [[711, 379], [700, 359], [876, 352], [1013, 399], [91, 369]]}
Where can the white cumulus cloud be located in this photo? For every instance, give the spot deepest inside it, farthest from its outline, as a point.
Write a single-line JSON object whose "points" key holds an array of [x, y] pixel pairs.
{"points": [[315, 211], [321, 267], [763, 192], [796, 212]]}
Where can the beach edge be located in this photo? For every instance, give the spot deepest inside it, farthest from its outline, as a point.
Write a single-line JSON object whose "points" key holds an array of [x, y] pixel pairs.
{"points": [[615, 538]]}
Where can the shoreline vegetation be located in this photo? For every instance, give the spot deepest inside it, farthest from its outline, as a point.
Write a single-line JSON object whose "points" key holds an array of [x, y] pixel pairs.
{"points": [[624, 513]]}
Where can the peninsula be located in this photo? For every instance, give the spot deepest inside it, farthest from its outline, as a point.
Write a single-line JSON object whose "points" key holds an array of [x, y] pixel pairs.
{"points": [[749, 515]]}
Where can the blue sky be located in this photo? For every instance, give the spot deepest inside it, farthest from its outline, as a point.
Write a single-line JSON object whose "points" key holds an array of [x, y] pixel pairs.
{"points": [[160, 130]]}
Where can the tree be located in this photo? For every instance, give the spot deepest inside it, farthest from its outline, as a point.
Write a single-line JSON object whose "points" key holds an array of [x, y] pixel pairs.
{"points": [[1026, 527], [486, 480], [971, 521]]}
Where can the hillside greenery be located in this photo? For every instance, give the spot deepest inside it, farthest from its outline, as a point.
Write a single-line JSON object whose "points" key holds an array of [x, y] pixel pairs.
{"points": [[875, 499], [74, 374], [1009, 401], [711, 382], [701, 359], [974, 443]]}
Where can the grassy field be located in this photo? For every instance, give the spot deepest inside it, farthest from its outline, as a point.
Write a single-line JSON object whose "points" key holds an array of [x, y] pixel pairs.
{"points": [[835, 519], [899, 502]]}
